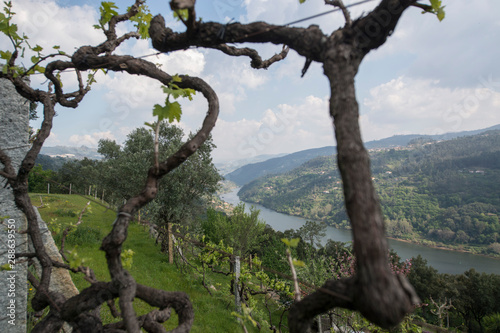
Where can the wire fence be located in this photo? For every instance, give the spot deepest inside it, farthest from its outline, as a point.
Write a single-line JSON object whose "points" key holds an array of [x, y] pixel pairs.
{"points": [[191, 241]]}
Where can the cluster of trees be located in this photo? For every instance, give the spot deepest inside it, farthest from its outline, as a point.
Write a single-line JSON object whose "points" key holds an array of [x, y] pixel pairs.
{"points": [[244, 232], [472, 299], [468, 301], [442, 191], [182, 195]]}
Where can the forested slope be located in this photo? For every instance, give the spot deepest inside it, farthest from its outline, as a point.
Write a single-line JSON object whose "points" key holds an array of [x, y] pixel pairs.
{"points": [[245, 174], [444, 191]]}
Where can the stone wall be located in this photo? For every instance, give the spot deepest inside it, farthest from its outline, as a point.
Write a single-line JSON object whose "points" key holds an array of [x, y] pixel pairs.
{"points": [[14, 126]]}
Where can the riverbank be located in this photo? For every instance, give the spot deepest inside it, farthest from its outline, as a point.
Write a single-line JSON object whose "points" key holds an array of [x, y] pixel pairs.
{"points": [[425, 242], [444, 260], [481, 250]]}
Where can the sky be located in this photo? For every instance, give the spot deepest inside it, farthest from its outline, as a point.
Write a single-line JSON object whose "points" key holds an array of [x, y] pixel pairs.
{"points": [[430, 77]]}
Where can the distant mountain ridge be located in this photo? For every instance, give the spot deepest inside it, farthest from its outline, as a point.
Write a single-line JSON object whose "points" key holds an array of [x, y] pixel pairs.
{"points": [[78, 153], [249, 172], [229, 166], [278, 165], [442, 191], [403, 140]]}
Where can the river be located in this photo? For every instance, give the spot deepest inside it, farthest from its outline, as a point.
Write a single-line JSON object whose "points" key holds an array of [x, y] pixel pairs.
{"points": [[445, 261]]}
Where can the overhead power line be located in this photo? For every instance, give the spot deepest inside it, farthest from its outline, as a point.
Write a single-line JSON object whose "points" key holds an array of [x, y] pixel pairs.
{"points": [[327, 12], [264, 31]]}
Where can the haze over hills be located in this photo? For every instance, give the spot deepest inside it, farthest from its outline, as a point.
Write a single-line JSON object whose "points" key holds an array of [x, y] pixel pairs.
{"points": [[71, 152], [245, 170], [249, 172], [278, 165], [229, 166]]}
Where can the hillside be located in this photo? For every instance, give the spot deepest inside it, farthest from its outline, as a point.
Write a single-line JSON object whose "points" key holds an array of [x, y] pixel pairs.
{"points": [[249, 172], [276, 165], [227, 167], [444, 192], [149, 267], [50, 163]]}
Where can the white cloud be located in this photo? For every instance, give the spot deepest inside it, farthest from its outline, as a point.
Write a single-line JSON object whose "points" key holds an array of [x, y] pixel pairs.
{"points": [[442, 63], [250, 77], [191, 62], [52, 140], [91, 139], [129, 100], [48, 24], [228, 101], [457, 51], [286, 11], [407, 105], [234, 74], [287, 129], [266, 10]]}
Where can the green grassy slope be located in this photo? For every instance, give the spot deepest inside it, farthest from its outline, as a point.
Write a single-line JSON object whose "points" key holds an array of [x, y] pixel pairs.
{"points": [[150, 267]]}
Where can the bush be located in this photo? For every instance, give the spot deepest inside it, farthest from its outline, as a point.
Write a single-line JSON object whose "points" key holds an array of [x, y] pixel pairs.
{"points": [[82, 235], [65, 212], [491, 323]]}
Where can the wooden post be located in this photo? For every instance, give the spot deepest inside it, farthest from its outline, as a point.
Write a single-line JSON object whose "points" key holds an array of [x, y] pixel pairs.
{"points": [[48, 188], [237, 271], [70, 188], [250, 262], [320, 328], [170, 244]]}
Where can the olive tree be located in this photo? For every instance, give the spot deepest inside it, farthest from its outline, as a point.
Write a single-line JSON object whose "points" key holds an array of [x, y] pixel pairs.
{"points": [[379, 295]]}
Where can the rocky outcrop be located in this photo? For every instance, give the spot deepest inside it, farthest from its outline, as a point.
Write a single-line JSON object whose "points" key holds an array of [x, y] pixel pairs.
{"points": [[14, 113], [60, 280]]}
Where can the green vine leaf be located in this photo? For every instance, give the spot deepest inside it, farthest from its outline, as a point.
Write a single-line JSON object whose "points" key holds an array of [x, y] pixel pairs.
{"points": [[142, 21], [74, 259], [37, 48], [181, 14], [291, 242], [298, 263], [127, 258], [5, 55], [171, 111], [438, 9], [5, 267], [177, 92], [435, 7], [107, 11], [5, 25]]}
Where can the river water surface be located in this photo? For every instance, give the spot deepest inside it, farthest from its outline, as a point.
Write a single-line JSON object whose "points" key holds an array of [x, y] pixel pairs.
{"points": [[444, 261]]}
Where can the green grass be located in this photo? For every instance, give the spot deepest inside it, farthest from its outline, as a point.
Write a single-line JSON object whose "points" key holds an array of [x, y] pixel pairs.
{"points": [[150, 267]]}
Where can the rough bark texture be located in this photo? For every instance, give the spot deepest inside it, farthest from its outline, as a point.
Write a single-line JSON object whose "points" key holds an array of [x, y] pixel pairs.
{"points": [[380, 296], [13, 120]]}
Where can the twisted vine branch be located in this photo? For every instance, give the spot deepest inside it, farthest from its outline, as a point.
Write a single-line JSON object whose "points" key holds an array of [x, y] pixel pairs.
{"points": [[374, 291]]}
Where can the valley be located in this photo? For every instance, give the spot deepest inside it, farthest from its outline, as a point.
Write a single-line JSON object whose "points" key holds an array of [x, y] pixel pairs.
{"points": [[433, 193]]}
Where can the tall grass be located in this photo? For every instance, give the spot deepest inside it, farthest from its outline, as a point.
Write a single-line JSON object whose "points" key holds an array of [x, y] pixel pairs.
{"points": [[150, 267]]}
